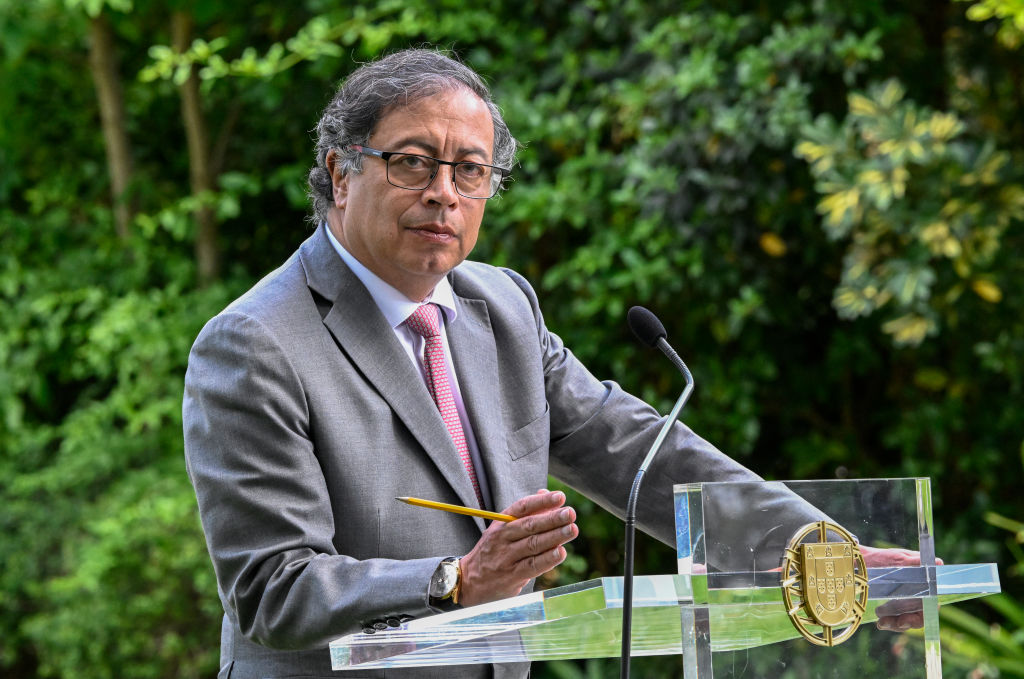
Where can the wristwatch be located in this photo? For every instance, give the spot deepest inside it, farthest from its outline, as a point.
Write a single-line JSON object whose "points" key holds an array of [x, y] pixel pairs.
{"points": [[445, 584]]}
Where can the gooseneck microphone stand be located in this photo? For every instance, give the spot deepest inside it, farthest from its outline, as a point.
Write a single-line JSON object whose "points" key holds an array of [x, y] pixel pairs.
{"points": [[649, 330]]}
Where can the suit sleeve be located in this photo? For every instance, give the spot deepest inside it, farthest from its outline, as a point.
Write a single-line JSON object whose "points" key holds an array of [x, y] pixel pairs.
{"points": [[600, 435], [264, 504]]}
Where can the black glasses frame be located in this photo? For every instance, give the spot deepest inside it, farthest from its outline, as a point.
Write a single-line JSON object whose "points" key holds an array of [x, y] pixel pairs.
{"points": [[498, 176]]}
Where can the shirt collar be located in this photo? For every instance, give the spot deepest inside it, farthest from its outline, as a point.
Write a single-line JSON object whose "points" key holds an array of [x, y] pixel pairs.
{"points": [[395, 306]]}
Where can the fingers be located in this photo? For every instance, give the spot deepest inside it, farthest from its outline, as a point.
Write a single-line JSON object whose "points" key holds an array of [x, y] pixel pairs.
{"points": [[899, 615], [511, 554], [532, 544], [901, 623], [537, 537], [543, 534], [541, 501], [538, 564], [536, 524], [892, 557], [893, 616]]}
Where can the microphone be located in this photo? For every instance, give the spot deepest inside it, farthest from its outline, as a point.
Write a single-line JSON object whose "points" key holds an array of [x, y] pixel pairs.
{"points": [[645, 325], [649, 330]]}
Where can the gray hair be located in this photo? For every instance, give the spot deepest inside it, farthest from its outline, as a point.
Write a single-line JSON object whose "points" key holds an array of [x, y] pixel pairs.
{"points": [[366, 95]]}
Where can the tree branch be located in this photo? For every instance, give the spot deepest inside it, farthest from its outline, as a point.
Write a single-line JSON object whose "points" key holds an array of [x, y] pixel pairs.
{"points": [[201, 178], [103, 65]]}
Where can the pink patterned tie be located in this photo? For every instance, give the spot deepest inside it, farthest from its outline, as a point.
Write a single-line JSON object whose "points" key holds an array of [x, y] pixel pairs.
{"points": [[424, 322]]}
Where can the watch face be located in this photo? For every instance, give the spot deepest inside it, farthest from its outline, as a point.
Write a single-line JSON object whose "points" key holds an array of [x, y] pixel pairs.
{"points": [[444, 580]]}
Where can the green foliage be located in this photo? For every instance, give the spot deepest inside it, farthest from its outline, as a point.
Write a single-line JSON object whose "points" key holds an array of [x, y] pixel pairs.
{"points": [[105, 569], [324, 36], [924, 213], [993, 647], [137, 580], [1011, 14], [95, 7], [662, 184]]}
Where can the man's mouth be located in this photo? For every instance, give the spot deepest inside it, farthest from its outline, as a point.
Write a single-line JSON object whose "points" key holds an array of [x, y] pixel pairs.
{"points": [[438, 233]]}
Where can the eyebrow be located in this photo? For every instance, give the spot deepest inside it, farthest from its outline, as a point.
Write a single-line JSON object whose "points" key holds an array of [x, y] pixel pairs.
{"points": [[433, 150]]}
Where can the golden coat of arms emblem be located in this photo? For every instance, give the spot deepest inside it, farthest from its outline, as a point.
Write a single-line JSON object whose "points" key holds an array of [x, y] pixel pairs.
{"points": [[824, 584]]}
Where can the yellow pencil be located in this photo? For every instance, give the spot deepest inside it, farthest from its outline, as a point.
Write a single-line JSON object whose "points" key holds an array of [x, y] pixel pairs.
{"points": [[456, 509]]}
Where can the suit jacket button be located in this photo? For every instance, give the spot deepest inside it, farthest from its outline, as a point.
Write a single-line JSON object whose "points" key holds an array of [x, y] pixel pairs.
{"points": [[380, 625], [393, 622], [369, 630]]}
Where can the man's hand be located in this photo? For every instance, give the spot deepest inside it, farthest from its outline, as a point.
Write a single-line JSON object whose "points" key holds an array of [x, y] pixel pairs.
{"points": [[509, 555], [897, 615]]}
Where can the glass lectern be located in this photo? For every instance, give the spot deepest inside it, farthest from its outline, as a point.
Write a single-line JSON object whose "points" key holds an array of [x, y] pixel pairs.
{"points": [[750, 600]]}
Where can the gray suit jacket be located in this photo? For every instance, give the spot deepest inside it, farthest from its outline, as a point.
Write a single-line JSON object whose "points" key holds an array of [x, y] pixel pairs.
{"points": [[304, 418]]}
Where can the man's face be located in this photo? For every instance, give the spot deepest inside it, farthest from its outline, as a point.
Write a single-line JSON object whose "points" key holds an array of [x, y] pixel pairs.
{"points": [[411, 239]]}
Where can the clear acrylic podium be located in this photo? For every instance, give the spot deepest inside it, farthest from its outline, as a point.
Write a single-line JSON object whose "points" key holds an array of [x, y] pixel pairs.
{"points": [[724, 612]]}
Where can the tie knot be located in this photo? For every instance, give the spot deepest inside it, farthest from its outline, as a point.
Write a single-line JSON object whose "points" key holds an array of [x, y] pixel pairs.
{"points": [[423, 321]]}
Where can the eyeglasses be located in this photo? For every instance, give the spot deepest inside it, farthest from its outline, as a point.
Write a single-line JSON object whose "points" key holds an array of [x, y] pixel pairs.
{"points": [[415, 172]]}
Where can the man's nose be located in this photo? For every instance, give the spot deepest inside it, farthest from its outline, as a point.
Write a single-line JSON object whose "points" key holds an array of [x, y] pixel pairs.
{"points": [[441, 189]]}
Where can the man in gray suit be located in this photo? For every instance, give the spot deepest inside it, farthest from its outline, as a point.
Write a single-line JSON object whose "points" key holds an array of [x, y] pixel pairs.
{"points": [[376, 362]]}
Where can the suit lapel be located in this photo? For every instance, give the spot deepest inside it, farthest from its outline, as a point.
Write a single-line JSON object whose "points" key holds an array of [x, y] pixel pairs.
{"points": [[365, 336]]}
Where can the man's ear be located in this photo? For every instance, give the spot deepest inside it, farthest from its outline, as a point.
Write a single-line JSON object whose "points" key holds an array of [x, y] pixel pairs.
{"points": [[339, 179]]}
